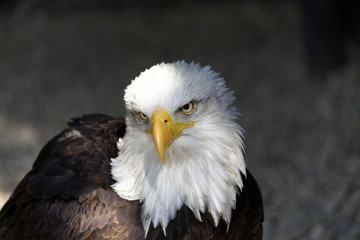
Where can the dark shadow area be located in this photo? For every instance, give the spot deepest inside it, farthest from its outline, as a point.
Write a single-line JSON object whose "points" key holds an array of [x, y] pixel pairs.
{"points": [[332, 31]]}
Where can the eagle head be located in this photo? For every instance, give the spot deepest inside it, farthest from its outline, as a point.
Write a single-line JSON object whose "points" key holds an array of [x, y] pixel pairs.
{"points": [[182, 144]]}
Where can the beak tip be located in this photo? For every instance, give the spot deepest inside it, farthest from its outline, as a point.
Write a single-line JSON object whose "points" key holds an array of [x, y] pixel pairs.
{"points": [[162, 157]]}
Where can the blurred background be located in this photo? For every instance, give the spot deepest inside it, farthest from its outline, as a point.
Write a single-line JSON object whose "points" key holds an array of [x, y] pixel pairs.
{"points": [[294, 66]]}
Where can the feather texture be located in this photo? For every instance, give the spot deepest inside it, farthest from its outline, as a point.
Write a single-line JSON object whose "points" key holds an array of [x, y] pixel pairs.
{"points": [[208, 155], [77, 206]]}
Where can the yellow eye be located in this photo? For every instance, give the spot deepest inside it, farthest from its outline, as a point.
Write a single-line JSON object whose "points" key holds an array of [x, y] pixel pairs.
{"points": [[143, 117], [188, 108]]}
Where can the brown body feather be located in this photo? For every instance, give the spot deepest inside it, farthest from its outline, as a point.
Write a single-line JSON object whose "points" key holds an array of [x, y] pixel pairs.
{"points": [[68, 195]]}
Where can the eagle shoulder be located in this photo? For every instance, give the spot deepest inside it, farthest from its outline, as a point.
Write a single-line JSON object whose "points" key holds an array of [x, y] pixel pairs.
{"points": [[248, 216], [68, 194]]}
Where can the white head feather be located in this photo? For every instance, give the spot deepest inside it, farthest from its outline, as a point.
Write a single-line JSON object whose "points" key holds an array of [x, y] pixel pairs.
{"points": [[203, 166]]}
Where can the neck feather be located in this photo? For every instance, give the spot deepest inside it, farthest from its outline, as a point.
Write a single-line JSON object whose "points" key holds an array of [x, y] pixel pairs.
{"points": [[203, 175]]}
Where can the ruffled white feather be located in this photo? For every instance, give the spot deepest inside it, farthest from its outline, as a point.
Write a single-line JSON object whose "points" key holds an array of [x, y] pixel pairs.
{"points": [[203, 166]]}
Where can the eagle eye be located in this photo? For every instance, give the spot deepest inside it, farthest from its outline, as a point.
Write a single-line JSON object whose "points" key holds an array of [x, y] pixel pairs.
{"points": [[188, 108], [143, 117]]}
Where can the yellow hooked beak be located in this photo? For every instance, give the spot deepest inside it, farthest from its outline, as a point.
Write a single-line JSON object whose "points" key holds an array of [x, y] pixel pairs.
{"points": [[164, 130]]}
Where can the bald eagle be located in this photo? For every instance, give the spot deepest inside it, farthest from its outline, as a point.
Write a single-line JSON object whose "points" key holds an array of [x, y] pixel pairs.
{"points": [[173, 168]]}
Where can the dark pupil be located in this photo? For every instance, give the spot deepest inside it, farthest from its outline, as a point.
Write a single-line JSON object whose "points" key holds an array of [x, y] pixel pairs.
{"points": [[186, 106]]}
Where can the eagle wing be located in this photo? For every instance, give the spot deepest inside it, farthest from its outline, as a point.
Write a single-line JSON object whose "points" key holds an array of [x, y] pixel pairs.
{"points": [[67, 194]]}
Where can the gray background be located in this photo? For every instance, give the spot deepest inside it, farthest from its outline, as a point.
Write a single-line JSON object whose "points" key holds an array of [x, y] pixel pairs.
{"points": [[66, 58]]}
